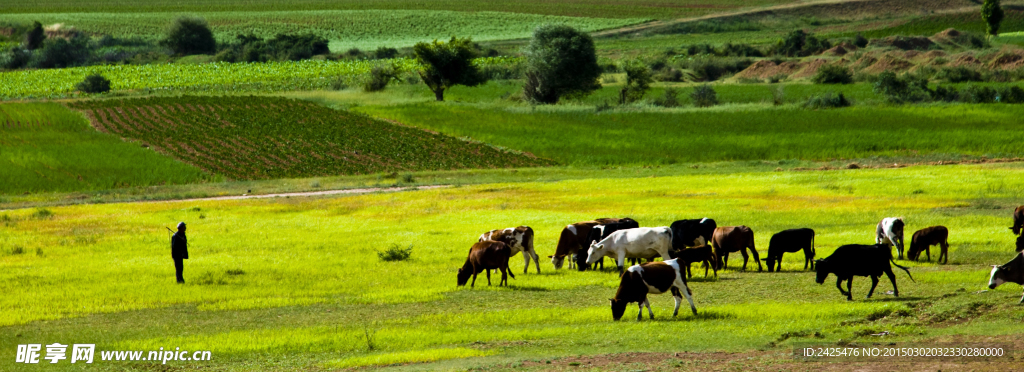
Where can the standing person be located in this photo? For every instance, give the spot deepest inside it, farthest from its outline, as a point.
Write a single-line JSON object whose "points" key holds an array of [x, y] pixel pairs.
{"points": [[179, 251]]}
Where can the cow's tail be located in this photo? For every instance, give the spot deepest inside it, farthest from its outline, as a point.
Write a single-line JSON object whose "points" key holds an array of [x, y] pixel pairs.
{"points": [[528, 238], [904, 269]]}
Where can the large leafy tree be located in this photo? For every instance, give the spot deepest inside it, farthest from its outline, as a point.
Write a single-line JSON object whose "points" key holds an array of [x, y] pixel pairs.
{"points": [[34, 38], [992, 13], [560, 61], [190, 35], [444, 65]]}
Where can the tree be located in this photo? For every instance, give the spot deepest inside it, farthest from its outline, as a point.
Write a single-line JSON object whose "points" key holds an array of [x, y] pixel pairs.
{"points": [[560, 61], [444, 65], [34, 38], [992, 13], [95, 83], [638, 81], [190, 35]]}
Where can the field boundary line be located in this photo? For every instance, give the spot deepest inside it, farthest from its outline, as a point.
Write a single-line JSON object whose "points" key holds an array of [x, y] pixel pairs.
{"points": [[365, 190]]}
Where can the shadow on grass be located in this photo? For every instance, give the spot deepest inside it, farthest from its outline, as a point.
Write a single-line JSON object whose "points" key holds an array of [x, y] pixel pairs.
{"points": [[528, 288], [686, 316]]}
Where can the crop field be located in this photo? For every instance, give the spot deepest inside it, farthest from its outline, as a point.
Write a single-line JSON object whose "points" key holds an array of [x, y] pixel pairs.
{"points": [[47, 147], [756, 132], [296, 283], [365, 29], [574, 8], [262, 137]]}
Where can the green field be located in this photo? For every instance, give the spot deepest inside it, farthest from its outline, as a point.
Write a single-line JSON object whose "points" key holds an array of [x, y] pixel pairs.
{"points": [[365, 29], [46, 147], [297, 283]]}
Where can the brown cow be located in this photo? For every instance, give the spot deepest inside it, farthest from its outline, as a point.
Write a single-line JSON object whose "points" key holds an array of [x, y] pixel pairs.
{"points": [[573, 238], [486, 255], [925, 238], [1018, 220], [519, 239], [729, 239], [1020, 243], [703, 254]]}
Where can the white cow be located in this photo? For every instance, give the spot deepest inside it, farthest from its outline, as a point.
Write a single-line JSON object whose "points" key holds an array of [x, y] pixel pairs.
{"points": [[890, 232], [642, 242]]}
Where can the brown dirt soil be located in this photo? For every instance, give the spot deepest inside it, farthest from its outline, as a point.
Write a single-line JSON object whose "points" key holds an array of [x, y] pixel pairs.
{"points": [[837, 50], [903, 42], [964, 59], [932, 54], [888, 63], [809, 69], [1009, 60], [764, 69]]}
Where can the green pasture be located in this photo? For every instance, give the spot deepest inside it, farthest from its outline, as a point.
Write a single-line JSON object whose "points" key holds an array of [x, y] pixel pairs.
{"points": [[47, 147], [365, 29], [296, 283]]}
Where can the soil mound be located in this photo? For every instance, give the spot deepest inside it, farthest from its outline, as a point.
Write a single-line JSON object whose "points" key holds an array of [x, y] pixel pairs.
{"points": [[903, 42]]}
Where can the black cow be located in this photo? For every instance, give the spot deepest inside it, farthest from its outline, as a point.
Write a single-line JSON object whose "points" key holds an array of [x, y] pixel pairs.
{"points": [[686, 232], [598, 233], [790, 241], [1018, 220], [1010, 272], [859, 260]]}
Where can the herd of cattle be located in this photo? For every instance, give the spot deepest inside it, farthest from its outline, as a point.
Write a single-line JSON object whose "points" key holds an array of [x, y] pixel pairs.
{"points": [[685, 242]]}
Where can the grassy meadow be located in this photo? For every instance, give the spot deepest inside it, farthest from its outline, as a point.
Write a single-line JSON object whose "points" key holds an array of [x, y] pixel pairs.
{"points": [[296, 282], [47, 147]]}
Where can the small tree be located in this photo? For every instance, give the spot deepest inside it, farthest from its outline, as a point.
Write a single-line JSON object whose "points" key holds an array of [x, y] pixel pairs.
{"points": [[380, 77], [95, 83], [444, 65], [34, 38], [860, 41], [190, 35], [638, 81], [560, 61], [704, 96], [833, 74], [992, 14]]}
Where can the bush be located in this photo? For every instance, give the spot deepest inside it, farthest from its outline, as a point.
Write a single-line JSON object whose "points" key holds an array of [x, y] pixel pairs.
{"points": [[704, 96], [443, 65], [560, 61], [34, 38], [283, 47], [190, 35], [385, 53], [60, 52], [958, 74], [778, 95], [826, 101], [799, 43], [638, 81], [509, 71], [900, 90], [380, 76], [395, 253], [669, 74], [1012, 94], [707, 68], [15, 58], [860, 41], [976, 94], [95, 83], [833, 74], [669, 99]]}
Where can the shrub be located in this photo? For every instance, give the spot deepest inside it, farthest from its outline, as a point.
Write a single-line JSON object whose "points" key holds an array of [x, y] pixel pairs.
{"points": [[1012, 94], [444, 65], [860, 41], [15, 58], [826, 101], [669, 74], [638, 81], [34, 38], [560, 61], [503, 71], [799, 43], [385, 53], [95, 83], [395, 253], [704, 96], [833, 74], [380, 76], [778, 95], [190, 35], [958, 74], [976, 94], [900, 90], [60, 52], [669, 99], [283, 47]]}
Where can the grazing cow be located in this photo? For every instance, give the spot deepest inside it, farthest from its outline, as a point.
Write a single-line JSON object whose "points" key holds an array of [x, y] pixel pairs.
{"points": [[1012, 272], [890, 232], [597, 234], [689, 256], [573, 238], [729, 239], [519, 239], [486, 256], [650, 278], [1018, 220], [692, 233], [642, 242], [790, 241], [1020, 243], [859, 260], [925, 238]]}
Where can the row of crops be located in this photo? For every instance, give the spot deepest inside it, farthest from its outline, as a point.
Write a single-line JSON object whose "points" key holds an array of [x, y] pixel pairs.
{"points": [[221, 76], [269, 137]]}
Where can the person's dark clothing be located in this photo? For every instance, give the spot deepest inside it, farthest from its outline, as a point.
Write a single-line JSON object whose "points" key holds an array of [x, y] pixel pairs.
{"points": [[179, 267], [179, 252]]}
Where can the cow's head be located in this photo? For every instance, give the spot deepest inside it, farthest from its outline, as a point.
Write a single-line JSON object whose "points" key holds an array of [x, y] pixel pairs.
{"points": [[581, 260], [770, 262], [618, 308], [595, 252], [822, 270], [464, 276], [997, 277], [558, 261]]}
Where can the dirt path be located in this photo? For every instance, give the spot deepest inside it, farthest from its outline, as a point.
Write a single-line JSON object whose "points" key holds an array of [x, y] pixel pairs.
{"points": [[303, 194]]}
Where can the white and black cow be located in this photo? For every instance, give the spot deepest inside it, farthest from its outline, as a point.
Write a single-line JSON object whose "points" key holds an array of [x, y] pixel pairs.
{"points": [[792, 240], [574, 238], [1010, 272], [692, 233], [519, 239], [643, 242], [651, 278], [890, 232], [597, 234], [859, 260]]}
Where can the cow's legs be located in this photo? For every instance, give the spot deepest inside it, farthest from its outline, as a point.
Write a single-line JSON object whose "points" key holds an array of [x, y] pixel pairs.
{"points": [[647, 302], [724, 261], [1022, 298], [640, 307], [892, 278], [471, 285], [679, 300], [944, 253], [621, 261], [488, 277], [839, 284], [928, 252], [849, 289], [504, 276], [874, 283], [526, 262], [744, 253]]}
